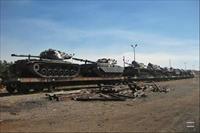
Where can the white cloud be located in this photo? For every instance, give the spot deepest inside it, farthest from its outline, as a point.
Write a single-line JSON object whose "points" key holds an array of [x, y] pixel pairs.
{"points": [[118, 36], [184, 50], [161, 59]]}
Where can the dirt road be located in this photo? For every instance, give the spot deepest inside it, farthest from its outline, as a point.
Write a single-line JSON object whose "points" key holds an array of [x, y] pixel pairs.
{"points": [[158, 112]]}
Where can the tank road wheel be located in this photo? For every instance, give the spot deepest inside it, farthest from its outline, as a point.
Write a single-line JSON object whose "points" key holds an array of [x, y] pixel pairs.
{"points": [[66, 73], [73, 72], [36, 67], [55, 71], [44, 71], [61, 72], [50, 72]]}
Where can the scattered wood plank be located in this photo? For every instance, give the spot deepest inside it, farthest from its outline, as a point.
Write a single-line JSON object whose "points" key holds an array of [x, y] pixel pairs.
{"points": [[109, 92], [82, 98]]}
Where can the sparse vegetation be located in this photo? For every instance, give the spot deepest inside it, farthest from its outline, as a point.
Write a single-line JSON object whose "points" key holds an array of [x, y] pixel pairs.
{"points": [[4, 69]]}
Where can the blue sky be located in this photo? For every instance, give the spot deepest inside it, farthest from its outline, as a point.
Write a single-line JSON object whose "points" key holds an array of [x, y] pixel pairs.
{"points": [[92, 29]]}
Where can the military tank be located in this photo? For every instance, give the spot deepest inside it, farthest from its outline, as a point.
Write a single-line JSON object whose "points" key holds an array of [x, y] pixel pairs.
{"points": [[101, 68], [157, 71], [136, 69], [49, 64], [186, 73], [190, 73]]}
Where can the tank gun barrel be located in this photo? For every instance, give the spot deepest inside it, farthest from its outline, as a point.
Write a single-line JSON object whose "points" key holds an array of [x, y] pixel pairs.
{"points": [[127, 63], [82, 60], [15, 55]]}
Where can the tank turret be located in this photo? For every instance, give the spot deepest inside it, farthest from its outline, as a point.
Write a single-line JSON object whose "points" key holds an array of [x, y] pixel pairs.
{"points": [[55, 55]]}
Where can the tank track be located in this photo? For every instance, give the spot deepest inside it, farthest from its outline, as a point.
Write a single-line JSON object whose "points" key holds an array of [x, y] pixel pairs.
{"points": [[53, 70], [47, 69]]}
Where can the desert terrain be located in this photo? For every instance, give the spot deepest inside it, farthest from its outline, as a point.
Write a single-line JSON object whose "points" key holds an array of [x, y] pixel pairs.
{"points": [[175, 111]]}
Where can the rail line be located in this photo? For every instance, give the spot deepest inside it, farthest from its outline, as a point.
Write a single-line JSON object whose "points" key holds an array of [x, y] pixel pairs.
{"points": [[23, 85]]}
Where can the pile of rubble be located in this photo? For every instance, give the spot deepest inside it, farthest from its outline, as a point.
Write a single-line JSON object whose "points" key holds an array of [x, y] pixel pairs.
{"points": [[110, 92]]}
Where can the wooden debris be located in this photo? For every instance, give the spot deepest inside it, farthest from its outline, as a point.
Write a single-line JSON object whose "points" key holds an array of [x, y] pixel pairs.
{"points": [[99, 98], [62, 95], [64, 92], [109, 92], [140, 93], [156, 88], [125, 96]]}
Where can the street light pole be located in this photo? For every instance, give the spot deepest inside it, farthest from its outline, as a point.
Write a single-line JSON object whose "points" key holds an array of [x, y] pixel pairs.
{"points": [[134, 46], [124, 61], [170, 64]]}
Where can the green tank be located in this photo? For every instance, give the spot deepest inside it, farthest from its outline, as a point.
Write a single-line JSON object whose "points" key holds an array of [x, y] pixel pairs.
{"points": [[136, 69], [49, 64], [101, 68]]}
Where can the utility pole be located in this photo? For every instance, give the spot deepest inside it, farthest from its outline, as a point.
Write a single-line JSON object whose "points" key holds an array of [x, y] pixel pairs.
{"points": [[124, 61], [170, 64], [185, 65], [134, 46]]}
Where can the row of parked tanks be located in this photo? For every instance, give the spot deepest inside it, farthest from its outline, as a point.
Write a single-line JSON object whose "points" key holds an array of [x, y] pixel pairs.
{"points": [[56, 64]]}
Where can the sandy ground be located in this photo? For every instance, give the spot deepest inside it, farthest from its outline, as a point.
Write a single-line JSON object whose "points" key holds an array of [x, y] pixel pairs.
{"points": [[158, 112]]}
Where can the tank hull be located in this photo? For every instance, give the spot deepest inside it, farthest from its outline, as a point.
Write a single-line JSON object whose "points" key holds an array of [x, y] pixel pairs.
{"points": [[93, 70], [137, 72], [45, 69]]}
